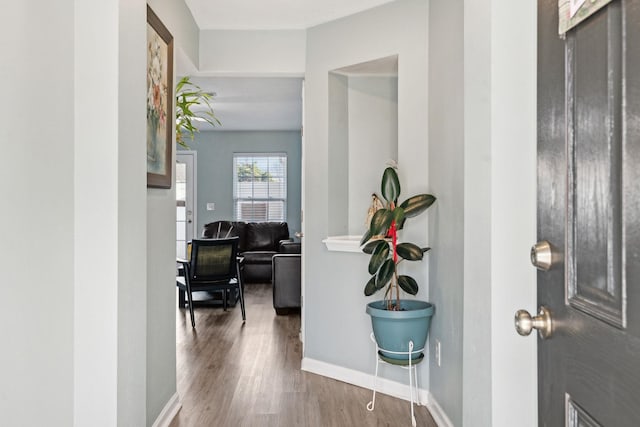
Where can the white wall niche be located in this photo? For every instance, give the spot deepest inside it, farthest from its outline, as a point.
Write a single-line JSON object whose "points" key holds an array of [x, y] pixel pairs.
{"points": [[363, 138]]}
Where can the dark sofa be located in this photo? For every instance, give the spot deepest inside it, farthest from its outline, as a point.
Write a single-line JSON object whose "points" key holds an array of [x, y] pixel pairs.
{"points": [[259, 242]]}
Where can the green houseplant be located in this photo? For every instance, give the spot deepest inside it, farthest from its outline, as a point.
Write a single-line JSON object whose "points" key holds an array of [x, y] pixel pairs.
{"points": [[395, 321], [188, 96]]}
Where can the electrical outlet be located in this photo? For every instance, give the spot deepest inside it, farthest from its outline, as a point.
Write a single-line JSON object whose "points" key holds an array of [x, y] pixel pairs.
{"points": [[438, 354], [211, 206]]}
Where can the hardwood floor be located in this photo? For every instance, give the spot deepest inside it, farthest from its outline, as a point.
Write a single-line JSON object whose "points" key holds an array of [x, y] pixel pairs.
{"points": [[230, 374]]}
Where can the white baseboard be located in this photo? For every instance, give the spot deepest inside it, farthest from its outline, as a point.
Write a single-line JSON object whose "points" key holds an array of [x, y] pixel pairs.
{"points": [[384, 386], [168, 412], [438, 414]]}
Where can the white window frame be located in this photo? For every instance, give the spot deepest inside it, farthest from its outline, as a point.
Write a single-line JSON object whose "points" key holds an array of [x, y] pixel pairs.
{"points": [[252, 200]]}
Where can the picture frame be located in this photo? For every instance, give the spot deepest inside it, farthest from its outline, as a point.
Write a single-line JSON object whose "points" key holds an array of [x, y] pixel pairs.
{"points": [[573, 12], [160, 116]]}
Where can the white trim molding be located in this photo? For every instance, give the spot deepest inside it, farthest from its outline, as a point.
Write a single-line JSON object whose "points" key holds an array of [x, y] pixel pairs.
{"points": [[343, 243], [385, 386], [437, 413], [169, 412]]}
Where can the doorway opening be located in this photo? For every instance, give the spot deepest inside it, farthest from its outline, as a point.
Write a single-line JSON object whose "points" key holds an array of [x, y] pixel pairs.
{"points": [[185, 200]]}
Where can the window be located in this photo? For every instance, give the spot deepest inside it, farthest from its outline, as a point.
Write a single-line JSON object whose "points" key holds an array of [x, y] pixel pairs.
{"points": [[260, 187]]}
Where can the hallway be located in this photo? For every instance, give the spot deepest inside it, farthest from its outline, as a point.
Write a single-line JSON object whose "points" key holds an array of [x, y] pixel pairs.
{"points": [[235, 375]]}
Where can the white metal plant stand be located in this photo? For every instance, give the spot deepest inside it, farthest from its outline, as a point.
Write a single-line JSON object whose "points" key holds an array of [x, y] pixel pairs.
{"points": [[409, 364]]}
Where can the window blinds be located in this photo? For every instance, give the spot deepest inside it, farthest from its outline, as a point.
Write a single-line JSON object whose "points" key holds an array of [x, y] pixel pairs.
{"points": [[259, 187]]}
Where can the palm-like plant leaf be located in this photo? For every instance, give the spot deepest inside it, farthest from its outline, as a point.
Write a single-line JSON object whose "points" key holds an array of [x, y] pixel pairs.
{"points": [[190, 95]]}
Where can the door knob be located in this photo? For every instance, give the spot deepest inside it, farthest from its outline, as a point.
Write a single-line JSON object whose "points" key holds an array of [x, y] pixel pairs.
{"points": [[299, 235], [542, 255], [542, 322]]}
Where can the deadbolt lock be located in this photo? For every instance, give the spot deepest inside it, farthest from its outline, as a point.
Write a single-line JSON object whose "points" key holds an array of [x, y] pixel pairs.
{"points": [[542, 255], [542, 322]]}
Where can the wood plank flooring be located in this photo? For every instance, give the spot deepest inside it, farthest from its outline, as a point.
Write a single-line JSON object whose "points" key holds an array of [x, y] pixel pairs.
{"points": [[230, 374]]}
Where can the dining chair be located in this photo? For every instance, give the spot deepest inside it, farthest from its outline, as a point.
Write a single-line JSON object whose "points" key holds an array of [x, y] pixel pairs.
{"points": [[213, 265]]}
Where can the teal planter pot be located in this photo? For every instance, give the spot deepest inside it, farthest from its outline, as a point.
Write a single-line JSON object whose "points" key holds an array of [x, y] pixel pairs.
{"points": [[394, 329]]}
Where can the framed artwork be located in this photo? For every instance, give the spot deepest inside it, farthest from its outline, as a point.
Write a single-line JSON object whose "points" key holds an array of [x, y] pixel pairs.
{"points": [[160, 117], [573, 12]]}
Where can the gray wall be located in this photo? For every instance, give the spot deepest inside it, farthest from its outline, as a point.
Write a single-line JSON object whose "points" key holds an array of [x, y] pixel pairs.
{"points": [[78, 360], [373, 141], [482, 163], [338, 154], [446, 232], [160, 249], [480, 157], [513, 211], [477, 369], [215, 170], [335, 323], [37, 334], [74, 235], [363, 137], [176, 16]]}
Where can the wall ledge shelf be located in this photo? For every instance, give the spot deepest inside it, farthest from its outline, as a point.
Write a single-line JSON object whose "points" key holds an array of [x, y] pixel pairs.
{"points": [[343, 243]]}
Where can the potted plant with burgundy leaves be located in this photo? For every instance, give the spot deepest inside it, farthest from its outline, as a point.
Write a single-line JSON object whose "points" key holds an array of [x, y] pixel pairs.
{"points": [[395, 321]]}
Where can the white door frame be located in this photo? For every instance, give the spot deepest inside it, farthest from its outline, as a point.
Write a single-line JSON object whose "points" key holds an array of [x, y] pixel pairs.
{"points": [[302, 228], [190, 158]]}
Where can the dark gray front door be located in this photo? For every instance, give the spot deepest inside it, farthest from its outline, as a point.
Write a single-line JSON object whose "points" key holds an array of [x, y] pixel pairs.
{"points": [[589, 210]]}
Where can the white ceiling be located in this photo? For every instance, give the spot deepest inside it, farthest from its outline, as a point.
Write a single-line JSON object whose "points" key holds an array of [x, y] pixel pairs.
{"points": [[250, 103], [273, 14], [263, 103]]}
